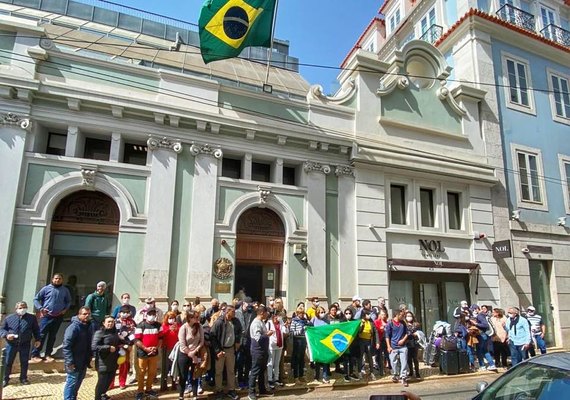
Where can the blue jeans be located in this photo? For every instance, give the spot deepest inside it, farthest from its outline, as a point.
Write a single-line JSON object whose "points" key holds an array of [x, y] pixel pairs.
{"points": [[483, 351], [517, 353], [540, 343], [402, 354], [48, 331], [11, 351], [72, 383], [462, 345]]}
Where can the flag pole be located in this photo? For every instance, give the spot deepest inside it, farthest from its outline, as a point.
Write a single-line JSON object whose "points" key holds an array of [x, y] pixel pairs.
{"points": [[270, 50]]}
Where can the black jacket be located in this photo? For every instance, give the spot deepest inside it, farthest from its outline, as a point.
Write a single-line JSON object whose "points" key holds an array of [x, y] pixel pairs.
{"points": [[218, 330], [105, 360], [25, 327]]}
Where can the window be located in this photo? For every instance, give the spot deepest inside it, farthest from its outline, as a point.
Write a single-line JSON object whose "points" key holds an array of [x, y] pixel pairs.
{"points": [[517, 83], [567, 174], [427, 207], [97, 149], [561, 98], [564, 162], [394, 20], [454, 210], [548, 22], [398, 204], [231, 168], [56, 144], [135, 154], [260, 172], [289, 176], [427, 21], [528, 175]]}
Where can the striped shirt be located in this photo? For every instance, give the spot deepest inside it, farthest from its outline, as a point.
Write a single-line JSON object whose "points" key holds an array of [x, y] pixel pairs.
{"points": [[535, 322], [149, 334]]}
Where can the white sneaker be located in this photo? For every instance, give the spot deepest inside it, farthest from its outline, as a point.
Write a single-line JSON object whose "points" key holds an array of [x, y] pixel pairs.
{"points": [[200, 389], [492, 368]]}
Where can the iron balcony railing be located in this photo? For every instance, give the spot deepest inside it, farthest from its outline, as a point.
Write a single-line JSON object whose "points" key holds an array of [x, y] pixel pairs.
{"points": [[556, 33], [517, 17], [432, 34]]}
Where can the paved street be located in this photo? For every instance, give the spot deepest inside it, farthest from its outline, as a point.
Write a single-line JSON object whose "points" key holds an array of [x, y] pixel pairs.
{"points": [[48, 384]]}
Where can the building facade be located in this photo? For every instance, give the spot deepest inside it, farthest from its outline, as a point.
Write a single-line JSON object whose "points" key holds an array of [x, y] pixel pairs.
{"points": [[518, 53]]}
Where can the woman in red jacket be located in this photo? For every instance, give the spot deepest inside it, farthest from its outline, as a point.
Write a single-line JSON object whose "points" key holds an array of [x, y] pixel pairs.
{"points": [[170, 327]]}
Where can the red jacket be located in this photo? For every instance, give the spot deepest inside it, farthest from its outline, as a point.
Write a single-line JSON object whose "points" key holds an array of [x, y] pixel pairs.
{"points": [[169, 336]]}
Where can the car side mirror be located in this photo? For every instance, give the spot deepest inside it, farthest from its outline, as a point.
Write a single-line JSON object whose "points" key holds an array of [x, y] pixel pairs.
{"points": [[480, 386]]}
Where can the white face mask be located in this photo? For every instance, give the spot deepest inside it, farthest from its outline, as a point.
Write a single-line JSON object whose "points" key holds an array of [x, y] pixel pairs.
{"points": [[409, 319], [174, 307], [511, 315], [124, 315], [21, 311], [322, 315], [531, 313], [467, 318], [171, 320], [126, 301], [151, 318], [475, 313]]}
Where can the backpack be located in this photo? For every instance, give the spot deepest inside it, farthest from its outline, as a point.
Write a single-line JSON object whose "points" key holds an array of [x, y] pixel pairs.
{"points": [[491, 329]]}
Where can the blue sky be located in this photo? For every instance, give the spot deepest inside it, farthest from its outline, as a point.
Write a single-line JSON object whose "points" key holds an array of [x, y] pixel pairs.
{"points": [[320, 32]]}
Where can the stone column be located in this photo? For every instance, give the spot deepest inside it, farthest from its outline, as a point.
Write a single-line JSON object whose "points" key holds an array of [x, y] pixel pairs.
{"points": [[158, 239], [316, 263], [75, 144], [117, 147], [347, 231], [202, 221], [12, 145]]}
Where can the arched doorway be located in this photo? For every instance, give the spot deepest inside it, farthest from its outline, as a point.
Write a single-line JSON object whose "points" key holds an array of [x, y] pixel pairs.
{"points": [[83, 243], [259, 254]]}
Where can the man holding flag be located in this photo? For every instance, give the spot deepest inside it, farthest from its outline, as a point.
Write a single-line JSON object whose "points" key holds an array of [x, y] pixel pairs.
{"points": [[226, 27], [326, 343]]}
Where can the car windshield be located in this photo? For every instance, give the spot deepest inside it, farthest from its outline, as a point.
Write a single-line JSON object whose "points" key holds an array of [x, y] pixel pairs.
{"points": [[530, 381]]}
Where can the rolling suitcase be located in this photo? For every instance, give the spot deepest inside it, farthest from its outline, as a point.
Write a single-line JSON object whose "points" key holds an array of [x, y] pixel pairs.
{"points": [[429, 354], [449, 362], [463, 362]]}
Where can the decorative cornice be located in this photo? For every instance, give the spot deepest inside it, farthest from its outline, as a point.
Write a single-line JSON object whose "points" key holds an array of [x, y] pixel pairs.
{"points": [[13, 119], [206, 149], [345, 93], [344, 170], [164, 143], [311, 166]]}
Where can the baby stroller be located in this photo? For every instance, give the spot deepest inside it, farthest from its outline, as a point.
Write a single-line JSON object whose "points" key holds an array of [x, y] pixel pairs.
{"points": [[431, 350]]}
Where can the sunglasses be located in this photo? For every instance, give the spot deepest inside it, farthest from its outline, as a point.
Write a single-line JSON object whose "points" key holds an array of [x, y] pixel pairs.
{"points": [[347, 313]]}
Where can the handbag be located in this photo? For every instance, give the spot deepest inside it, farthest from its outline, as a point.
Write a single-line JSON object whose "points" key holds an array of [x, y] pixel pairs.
{"points": [[449, 343]]}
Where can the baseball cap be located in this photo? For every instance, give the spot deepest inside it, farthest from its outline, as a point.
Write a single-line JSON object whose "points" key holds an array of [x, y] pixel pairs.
{"points": [[530, 308], [356, 298], [149, 300]]}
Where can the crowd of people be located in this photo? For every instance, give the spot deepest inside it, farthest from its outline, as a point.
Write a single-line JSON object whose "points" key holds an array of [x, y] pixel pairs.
{"points": [[243, 344]]}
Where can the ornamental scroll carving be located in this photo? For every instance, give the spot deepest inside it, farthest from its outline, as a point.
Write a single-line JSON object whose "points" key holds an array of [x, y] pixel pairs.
{"points": [[88, 174], [260, 221], [206, 149], [311, 166], [344, 170], [264, 192], [164, 143], [223, 268], [13, 119], [87, 207]]}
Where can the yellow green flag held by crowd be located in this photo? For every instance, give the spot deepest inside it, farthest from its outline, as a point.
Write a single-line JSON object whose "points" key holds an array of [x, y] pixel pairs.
{"points": [[226, 27], [326, 343]]}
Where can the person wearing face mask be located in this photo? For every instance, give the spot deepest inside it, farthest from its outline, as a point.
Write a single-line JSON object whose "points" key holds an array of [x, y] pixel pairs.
{"points": [[52, 301], [382, 357], [396, 337], [350, 356], [18, 329], [479, 320], [125, 301], [312, 311], [150, 304], [519, 336], [368, 341], [147, 340], [500, 346], [175, 307], [98, 303], [318, 320], [298, 325], [214, 308], [537, 330], [412, 327], [465, 339], [106, 345], [245, 315], [126, 326], [276, 344], [170, 327]]}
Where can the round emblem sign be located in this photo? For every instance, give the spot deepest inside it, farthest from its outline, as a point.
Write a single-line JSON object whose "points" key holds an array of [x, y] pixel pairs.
{"points": [[223, 268]]}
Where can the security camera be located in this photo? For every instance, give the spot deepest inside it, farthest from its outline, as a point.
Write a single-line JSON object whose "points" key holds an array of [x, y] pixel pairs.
{"points": [[516, 215], [562, 221], [304, 259], [479, 235], [525, 250]]}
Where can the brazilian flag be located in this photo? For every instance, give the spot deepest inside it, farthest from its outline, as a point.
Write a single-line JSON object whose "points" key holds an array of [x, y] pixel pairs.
{"points": [[326, 343], [228, 26]]}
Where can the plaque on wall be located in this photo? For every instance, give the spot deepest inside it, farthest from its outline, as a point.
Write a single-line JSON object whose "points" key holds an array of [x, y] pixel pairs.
{"points": [[222, 287], [223, 268]]}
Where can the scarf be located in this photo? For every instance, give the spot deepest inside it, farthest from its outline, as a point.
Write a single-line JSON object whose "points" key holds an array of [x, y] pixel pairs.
{"points": [[514, 322]]}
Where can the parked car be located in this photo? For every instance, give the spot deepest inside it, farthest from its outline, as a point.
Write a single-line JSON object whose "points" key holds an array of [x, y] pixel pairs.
{"points": [[544, 377]]}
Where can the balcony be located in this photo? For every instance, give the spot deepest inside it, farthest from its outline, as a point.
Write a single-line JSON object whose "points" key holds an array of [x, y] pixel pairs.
{"points": [[517, 17], [432, 34], [557, 34]]}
